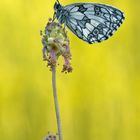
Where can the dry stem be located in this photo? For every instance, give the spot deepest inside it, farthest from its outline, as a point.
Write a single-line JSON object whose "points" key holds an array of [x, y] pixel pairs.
{"points": [[56, 102]]}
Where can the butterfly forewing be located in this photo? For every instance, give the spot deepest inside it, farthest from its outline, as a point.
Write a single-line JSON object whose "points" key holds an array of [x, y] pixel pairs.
{"points": [[93, 22]]}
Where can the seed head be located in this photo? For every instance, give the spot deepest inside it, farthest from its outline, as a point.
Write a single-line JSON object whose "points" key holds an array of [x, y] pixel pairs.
{"points": [[55, 44]]}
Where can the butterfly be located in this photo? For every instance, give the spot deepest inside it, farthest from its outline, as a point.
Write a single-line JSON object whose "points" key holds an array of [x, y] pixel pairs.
{"points": [[91, 22]]}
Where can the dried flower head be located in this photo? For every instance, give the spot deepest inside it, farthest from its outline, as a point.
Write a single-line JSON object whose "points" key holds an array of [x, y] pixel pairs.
{"points": [[50, 137], [56, 43]]}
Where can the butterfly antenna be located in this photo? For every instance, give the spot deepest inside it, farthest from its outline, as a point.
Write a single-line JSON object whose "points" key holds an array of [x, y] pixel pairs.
{"points": [[58, 1], [54, 17]]}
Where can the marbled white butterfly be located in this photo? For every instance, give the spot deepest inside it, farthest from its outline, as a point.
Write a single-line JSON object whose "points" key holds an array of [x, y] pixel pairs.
{"points": [[91, 22]]}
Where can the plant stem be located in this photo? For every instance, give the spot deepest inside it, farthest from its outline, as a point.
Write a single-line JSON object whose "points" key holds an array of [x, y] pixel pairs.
{"points": [[56, 102]]}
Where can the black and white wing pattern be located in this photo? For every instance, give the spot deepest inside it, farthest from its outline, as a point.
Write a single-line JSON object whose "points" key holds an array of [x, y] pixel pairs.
{"points": [[93, 22]]}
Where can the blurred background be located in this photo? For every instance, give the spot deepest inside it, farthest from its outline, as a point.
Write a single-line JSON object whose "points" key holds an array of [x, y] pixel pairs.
{"points": [[99, 100]]}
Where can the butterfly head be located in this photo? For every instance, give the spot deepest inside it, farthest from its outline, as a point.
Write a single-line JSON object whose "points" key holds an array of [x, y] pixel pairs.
{"points": [[57, 6], [59, 12]]}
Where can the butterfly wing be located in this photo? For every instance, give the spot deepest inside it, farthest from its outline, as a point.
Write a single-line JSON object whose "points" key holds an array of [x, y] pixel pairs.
{"points": [[93, 22]]}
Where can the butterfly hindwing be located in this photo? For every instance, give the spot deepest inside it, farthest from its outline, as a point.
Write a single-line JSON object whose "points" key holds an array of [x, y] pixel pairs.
{"points": [[93, 22]]}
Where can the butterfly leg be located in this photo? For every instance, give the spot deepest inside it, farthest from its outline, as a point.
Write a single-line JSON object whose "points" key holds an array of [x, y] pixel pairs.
{"points": [[65, 26], [54, 16]]}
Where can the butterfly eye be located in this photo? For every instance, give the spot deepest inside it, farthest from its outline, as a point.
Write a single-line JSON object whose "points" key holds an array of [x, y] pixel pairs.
{"points": [[56, 6]]}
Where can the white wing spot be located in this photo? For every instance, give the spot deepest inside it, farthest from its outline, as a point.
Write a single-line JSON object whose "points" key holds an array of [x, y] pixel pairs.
{"points": [[69, 7], [73, 21], [90, 8], [107, 16], [113, 19], [89, 26], [79, 28], [77, 15], [94, 23], [100, 36], [88, 5], [85, 32], [75, 9]]}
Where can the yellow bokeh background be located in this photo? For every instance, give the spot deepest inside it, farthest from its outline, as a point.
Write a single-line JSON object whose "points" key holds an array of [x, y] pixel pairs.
{"points": [[99, 100]]}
